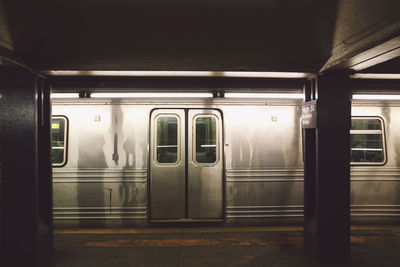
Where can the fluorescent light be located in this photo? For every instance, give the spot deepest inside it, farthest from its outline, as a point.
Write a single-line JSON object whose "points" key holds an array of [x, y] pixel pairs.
{"points": [[264, 95], [151, 95], [367, 149], [376, 97], [382, 76], [64, 95], [238, 74]]}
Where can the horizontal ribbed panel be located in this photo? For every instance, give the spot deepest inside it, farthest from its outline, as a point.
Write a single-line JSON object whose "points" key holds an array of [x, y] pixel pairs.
{"points": [[375, 210], [375, 174], [78, 213], [264, 211], [297, 211], [266, 175], [99, 175], [296, 174]]}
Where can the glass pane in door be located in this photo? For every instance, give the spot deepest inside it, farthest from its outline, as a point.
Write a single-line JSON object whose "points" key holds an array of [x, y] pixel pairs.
{"points": [[167, 139], [206, 140]]}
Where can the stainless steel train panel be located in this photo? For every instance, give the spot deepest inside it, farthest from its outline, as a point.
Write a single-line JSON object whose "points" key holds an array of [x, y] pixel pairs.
{"points": [[260, 137], [375, 189], [107, 157], [106, 136], [99, 194], [205, 164], [264, 165], [108, 153], [167, 164], [264, 194], [375, 192]]}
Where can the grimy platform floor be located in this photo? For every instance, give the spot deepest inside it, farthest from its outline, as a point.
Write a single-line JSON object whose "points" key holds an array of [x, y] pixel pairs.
{"points": [[215, 246]]}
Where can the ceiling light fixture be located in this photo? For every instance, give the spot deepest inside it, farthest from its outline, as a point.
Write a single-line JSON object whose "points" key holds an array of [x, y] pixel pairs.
{"points": [[376, 97], [152, 95], [65, 95], [231, 74], [378, 76], [265, 95]]}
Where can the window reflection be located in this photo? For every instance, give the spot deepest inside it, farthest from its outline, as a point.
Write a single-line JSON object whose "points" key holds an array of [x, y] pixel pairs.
{"points": [[58, 144], [206, 139], [167, 139], [366, 141]]}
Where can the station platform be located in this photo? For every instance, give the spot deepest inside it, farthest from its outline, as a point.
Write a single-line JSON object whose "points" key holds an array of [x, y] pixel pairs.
{"points": [[215, 246]]}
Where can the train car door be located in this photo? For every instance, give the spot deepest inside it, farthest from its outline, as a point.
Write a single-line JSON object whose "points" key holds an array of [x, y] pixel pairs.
{"points": [[186, 164]]}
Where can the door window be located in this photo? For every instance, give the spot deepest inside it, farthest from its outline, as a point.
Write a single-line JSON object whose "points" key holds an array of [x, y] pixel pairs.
{"points": [[167, 139], [206, 139]]}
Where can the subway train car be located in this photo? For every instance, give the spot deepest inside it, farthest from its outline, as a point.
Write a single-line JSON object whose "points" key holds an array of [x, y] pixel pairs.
{"points": [[135, 161]]}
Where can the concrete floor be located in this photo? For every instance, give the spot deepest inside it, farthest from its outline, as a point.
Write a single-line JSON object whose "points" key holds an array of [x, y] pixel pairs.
{"points": [[238, 246]]}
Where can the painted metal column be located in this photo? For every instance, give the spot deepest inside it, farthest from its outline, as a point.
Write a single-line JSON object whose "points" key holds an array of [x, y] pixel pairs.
{"points": [[25, 217], [327, 169]]}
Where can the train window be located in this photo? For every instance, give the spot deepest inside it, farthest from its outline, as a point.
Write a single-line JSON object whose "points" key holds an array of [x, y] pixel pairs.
{"points": [[167, 139], [206, 139], [367, 141], [58, 140]]}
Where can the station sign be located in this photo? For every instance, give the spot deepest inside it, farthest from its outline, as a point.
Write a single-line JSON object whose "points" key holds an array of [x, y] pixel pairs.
{"points": [[309, 115]]}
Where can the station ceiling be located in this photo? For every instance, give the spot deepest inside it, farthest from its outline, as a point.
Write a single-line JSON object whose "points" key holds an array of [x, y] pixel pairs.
{"points": [[213, 35]]}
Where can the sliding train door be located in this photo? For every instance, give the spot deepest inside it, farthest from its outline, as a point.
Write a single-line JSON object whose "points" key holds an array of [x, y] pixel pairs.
{"points": [[167, 164], [204, 164], [186, 164]]}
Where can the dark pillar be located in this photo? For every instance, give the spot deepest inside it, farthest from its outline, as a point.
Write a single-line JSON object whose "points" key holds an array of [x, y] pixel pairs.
{"points": [[45, 185], [24, 127], [327, 169]]}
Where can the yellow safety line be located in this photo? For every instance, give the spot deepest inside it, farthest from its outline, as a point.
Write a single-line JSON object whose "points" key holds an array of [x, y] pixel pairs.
{"points": [[209, 230], [177, 230], [375, 227]]}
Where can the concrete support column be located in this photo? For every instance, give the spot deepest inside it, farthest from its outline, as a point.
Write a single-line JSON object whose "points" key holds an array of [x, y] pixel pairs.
{"points": [[26, 228], [327, 169]]}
